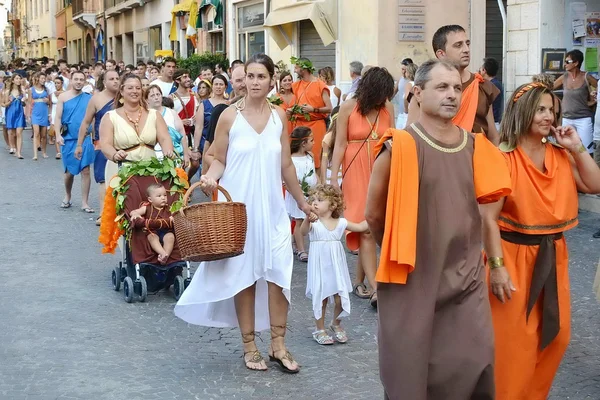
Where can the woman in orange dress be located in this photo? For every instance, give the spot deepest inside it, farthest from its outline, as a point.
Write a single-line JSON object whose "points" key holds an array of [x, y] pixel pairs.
{"points": [[287, 96], [528, 257], [361, 121]]}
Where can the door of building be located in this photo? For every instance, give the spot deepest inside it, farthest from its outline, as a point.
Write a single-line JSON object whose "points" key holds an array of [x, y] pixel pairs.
{"points": [[494, 35], [311, 46]]}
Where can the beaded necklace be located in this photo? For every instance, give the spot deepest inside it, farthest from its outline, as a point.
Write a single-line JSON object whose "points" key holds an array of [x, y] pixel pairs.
{"points": [[136, 122]]}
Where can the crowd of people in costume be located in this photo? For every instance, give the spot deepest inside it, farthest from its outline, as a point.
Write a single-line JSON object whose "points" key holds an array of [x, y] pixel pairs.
{"points": [[431, 183]]}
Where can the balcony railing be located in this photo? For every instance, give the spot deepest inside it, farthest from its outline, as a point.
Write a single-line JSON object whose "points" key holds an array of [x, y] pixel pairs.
{"points": [[112, 3], [84, 7]]}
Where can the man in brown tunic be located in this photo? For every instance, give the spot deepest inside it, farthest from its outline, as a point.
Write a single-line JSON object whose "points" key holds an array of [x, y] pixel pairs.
{"points": [[475, 114], [435, 327]]}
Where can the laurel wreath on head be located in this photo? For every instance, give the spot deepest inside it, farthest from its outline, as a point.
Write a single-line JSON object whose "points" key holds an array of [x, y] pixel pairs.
{"points": [[304, 64]]}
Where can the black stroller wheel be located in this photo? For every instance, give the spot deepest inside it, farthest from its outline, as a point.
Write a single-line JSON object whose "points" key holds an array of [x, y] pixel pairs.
{"points": [[116, 278], [128, 289], [178, 287], [143, 289]]}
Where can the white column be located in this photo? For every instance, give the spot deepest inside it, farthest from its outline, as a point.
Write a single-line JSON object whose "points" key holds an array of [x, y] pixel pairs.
{"points": [[523, 47], [478, 34], [165, 30]]}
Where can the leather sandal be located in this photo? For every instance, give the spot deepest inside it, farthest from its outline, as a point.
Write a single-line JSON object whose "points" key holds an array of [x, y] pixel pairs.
{"points": [[322, 337], [287, 357], [256, 357]]}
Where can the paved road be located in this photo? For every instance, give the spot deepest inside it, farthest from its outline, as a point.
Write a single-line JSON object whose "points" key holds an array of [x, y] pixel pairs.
{"points": [[65, 334]]}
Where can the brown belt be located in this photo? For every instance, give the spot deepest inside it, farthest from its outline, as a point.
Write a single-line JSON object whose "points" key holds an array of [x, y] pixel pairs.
{"points": [[544, 277], [138, 146]]}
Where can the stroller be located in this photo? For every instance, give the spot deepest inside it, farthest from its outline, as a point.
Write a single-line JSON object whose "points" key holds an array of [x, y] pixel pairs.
{"points": [[140, 270]]}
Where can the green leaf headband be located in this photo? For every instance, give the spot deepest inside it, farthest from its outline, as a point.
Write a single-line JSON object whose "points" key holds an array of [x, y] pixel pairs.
{"points": [[304, 64]]}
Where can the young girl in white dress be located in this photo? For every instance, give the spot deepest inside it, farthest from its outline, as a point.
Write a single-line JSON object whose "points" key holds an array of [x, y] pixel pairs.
{"points": [[301, 144], [327, 272]]}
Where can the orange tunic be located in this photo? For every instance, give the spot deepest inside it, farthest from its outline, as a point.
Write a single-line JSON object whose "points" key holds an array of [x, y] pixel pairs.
{"points": [[357, 173], [541, 203], [311, 93]]}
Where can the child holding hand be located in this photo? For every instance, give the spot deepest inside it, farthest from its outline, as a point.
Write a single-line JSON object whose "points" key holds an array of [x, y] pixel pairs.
{"points": [[327, 271]]}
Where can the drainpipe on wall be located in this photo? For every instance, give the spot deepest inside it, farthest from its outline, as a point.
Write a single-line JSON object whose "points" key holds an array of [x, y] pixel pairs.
{"points": [[504, 41]]}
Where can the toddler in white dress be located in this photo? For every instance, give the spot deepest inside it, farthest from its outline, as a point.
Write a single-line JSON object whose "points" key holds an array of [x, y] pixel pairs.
{"points": [[301, 144], [327, 271]]}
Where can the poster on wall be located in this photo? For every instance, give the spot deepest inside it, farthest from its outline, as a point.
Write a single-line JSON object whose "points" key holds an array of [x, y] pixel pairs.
{"points": [[553, 61], [592, 25], [578, 10]]}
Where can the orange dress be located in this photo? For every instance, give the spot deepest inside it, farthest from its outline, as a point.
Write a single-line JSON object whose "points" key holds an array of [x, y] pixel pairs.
{"points": [[311, 93], [285, 106], [357, 173], [542, 203]]}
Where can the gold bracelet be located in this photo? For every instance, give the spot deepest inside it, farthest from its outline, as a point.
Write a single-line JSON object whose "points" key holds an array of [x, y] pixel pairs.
{"points": [[581, 149], [495, 262]]}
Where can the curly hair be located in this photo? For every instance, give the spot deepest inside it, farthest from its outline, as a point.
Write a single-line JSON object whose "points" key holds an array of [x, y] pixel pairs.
{"points": [[375, 88], [333, 195]]}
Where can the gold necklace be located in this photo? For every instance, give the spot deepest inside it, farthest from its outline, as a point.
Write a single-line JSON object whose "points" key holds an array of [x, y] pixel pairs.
{"points": [[136, 123]]}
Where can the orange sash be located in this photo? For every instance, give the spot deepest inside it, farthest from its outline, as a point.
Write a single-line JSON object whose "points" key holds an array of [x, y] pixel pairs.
{"points": [[399, 245], [465, 118]]}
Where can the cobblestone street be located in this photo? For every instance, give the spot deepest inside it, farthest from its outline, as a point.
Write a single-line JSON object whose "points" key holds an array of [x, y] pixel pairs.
{"points": [[65, 334]]}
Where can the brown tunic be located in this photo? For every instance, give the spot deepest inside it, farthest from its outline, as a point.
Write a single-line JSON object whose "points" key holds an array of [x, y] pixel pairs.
{"points": [[487, 94], [435, 332]]}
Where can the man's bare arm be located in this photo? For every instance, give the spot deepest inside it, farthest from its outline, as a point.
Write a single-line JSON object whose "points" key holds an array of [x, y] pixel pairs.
{"points": [[377, 195]]}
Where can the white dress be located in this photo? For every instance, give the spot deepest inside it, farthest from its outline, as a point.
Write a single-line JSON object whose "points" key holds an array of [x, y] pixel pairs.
{"points": [[53, 112], [335, 101], [304, 165], [252, 176], [327, 270]]}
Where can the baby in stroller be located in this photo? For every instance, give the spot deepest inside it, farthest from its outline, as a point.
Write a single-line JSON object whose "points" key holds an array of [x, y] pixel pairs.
{"points": [[148, 265], [157, 221]]}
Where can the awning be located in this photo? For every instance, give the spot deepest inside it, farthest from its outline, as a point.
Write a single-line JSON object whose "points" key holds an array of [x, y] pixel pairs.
{"points": [[323, 15], [218, 15], [163, 53], [186, 6]]}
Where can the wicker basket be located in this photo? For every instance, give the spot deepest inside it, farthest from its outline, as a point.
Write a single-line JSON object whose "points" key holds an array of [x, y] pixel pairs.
{"points": [[210, 231]]}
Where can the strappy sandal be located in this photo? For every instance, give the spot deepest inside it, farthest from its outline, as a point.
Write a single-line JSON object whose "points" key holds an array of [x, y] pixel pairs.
{"points": [[287, 357], [339, 334], [356, 290], [66, 204], [322, 337], [303, 256], [256, 357]]}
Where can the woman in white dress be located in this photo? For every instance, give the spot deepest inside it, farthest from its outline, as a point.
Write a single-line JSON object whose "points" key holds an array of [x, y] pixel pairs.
{"points": [[252, 291], [58, 83]]}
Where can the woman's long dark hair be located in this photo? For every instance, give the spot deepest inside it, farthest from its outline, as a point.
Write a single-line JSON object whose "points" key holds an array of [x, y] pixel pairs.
{"points": [[299, 136], [375, 88]]}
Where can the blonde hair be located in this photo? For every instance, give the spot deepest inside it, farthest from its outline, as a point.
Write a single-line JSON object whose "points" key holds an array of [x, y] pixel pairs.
{"points": [[335, 197], [521, 110]]}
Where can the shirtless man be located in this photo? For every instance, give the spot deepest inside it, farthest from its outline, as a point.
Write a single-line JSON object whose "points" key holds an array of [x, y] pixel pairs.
{"points": [[100, 103]]}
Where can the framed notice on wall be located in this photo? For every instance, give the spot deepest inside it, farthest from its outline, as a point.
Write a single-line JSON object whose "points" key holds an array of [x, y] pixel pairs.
{"points": [[553, 61]]}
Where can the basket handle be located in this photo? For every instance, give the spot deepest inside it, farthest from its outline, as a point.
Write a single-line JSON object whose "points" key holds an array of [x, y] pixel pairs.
{"points": [[196, 185]]}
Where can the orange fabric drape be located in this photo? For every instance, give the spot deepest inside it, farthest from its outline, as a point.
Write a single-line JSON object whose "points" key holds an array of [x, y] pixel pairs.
{"points": [[465, 118], [399, 246]]}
